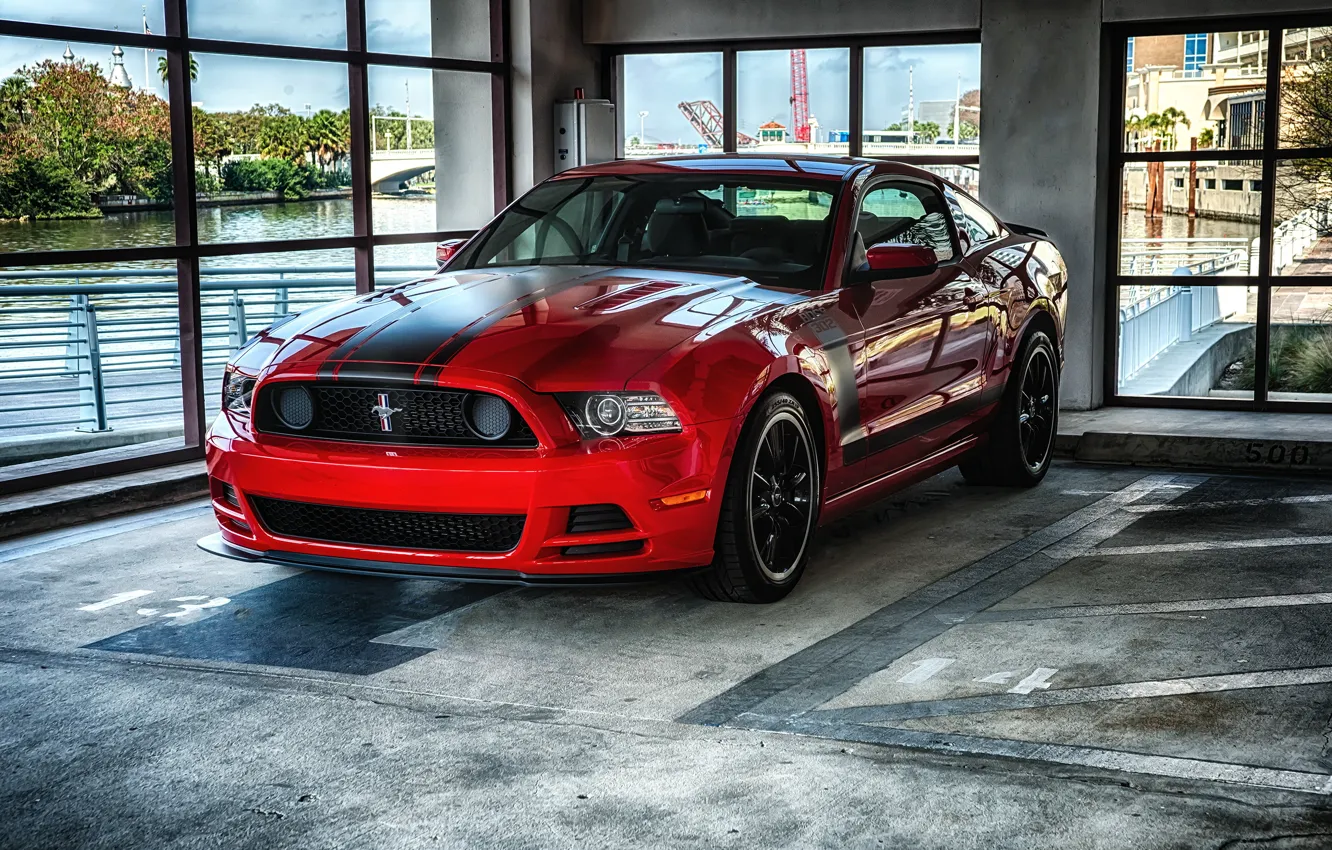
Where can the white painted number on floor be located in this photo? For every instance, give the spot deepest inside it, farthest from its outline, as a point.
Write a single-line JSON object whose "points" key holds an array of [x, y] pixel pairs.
{"points": [[925, 669]]}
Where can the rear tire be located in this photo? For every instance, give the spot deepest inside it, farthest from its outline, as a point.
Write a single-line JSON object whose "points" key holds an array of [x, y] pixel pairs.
{"points": [[1022, 437], [769, 510]]}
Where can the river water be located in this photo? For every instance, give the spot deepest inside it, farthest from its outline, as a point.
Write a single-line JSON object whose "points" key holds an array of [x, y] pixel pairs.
{"points": [[243, 223]]}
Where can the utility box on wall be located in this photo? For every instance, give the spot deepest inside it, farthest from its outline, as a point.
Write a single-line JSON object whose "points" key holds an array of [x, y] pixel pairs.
{"points": [[584, 132]]}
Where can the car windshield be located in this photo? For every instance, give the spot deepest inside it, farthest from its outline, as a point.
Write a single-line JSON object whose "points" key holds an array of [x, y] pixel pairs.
{"points": [[774, 230]]}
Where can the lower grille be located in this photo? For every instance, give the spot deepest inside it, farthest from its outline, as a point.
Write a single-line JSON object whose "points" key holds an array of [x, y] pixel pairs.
{"points": [[589, 518], [390, 529]]}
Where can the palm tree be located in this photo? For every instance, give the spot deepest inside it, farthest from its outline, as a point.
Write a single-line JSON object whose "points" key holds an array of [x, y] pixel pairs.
{"points": [[162, 68], [1170, 118], [13, 101], [1133, 127], [1206, 137]]}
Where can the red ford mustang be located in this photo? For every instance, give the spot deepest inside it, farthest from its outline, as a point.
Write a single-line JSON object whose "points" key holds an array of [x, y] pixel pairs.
{"points": [[643, 368]]}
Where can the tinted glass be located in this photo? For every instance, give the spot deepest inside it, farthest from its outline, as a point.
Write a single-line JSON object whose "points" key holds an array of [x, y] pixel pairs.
{"points": [[907, 214], [1306, 88], [1164, 329], [770, 116], [775, 231], [972, 221], [671, 103], [307, 23], [921, 100]]}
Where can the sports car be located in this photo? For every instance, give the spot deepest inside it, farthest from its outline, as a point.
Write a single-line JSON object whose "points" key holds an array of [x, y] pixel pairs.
{"points": [[639, 369]]}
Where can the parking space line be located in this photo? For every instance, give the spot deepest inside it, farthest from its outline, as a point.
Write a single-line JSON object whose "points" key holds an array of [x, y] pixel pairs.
{"points": [[1063, 754], [1231, 503], [1207, 545], [1070, 696], [1072, 611], [820, 672]]}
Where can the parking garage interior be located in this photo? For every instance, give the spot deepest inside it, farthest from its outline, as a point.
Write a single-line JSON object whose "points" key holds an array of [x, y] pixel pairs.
{"points": [[1134, 653]]}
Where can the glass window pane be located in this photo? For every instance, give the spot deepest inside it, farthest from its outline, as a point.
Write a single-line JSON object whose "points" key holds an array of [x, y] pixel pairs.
{"points": [[403, 153], [922, 100], [1300, 360], [1209, 87], [672, 104], [304, 23], [794, 100], [273, 144], [1158, 236], [1194, 341], [90, 369], [1306, 88], [1302, 231], [244, 293], [400, 263], [124, 15], [967, 177], [85, 148], [456, 29]]}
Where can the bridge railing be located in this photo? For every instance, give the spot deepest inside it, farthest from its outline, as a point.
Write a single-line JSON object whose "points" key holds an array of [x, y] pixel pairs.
{"points": [[1292, 238], [1200, 256], [1160, 319], [98, 347]]}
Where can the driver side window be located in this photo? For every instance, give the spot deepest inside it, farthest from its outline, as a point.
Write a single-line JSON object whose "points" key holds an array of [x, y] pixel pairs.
{"points": [[906, 213]]}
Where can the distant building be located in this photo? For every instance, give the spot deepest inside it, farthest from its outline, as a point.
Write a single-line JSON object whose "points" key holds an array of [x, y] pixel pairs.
{"points": [[119, 78], [936, 111], [772, 132]]}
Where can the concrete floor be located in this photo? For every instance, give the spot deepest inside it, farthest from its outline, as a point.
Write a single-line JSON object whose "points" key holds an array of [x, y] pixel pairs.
{"points": [[1118, 658]]}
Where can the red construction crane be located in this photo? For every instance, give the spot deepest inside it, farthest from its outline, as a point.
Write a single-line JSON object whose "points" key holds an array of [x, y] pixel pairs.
{"points": [[799, 97]]}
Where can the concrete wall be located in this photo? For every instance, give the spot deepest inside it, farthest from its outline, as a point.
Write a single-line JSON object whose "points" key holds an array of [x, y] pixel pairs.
{"points": [[1040, 126], [629, 21], [550, 61]]}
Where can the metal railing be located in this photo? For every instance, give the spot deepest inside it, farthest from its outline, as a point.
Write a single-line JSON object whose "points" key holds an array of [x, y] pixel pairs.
{"points": [[1292, 239], [1160, 319], [102, 347], [1206, 256]]}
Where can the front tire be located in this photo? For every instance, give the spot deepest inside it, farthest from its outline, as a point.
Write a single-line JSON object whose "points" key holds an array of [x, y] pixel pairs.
{"points": [[769, 509], [1022, 439]]}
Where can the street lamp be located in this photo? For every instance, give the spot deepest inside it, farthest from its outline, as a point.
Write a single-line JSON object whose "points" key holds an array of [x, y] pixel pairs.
{"points": [[642, 114]]}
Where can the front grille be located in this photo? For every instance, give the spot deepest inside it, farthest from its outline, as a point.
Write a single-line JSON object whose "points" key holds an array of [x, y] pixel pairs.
{"points": [[419, 416], [584, 519], [390, 529]]}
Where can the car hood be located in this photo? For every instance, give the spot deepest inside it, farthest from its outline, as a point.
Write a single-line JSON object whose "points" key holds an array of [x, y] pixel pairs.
{"points": [[552, 327]]}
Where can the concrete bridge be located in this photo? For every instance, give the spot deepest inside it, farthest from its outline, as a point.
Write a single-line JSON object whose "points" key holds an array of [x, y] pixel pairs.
{"points": [[389, 169]]}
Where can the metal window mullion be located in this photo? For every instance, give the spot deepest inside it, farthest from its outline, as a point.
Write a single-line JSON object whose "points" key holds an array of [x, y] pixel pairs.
{"points": [[1267, 218], [358, 94], [856, 104], [730, 116], [188, 296], [501, 105]]}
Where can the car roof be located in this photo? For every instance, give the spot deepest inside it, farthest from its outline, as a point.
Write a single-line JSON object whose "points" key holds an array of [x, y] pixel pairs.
{"points": [[770, 165]]}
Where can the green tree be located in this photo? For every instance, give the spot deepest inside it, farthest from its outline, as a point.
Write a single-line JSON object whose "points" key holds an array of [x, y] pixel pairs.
{"points": [[1168, 123], [162, 67]]}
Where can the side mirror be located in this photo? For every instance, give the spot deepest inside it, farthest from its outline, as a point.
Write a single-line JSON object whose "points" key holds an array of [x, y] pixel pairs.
{"points": [[889, 261], [445, 251]]}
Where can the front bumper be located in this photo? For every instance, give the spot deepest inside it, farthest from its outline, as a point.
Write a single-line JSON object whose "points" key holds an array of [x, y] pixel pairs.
{"points": [[542, 484]]}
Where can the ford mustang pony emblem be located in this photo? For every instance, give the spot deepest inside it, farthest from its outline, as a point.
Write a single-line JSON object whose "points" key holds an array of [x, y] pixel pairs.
{"points": [[384, 412]]}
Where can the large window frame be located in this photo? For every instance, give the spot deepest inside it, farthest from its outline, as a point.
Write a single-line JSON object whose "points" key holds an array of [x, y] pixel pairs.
{"points": [[177, 44], [614, 82], [1114, 60]]}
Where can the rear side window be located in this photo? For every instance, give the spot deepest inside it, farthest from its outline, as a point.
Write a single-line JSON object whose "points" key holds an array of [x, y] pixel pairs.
{"points": [[973, 221], [907, 213]]}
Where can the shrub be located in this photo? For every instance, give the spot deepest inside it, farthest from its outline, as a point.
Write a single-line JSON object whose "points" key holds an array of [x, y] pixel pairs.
{"points": [[1310, 368], [283, 176], [41, 187]]}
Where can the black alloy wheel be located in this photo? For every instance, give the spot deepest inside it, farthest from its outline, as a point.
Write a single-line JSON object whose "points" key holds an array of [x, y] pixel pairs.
{"points": [[781, 496], [770, 508], [1021, 440], [1036, 417]]}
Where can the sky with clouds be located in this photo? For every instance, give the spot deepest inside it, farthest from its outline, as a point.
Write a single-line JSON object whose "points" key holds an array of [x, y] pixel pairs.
{"points": [[653, 83]]}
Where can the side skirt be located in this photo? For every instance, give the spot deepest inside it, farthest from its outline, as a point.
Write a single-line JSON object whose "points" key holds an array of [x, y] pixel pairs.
{"points": [[871, 491]]}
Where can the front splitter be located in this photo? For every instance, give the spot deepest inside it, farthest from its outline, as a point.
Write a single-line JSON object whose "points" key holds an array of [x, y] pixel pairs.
{"points": [[216, 545]]}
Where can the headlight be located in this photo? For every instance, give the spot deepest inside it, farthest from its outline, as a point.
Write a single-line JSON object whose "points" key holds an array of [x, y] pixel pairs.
{"points": [[612, 413], [236, 391]]}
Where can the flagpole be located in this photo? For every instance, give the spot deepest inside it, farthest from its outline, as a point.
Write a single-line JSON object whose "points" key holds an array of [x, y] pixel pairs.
{"points": [[147, 84]]}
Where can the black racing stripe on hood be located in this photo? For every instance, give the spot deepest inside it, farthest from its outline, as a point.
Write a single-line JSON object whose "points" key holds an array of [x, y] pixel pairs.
{"points": [[424, 329], [352, 347], [460, 340]]}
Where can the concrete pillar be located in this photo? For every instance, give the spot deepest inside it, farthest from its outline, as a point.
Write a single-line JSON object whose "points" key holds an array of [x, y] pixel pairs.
{"points": [[1040, 132], [550, 60]]}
